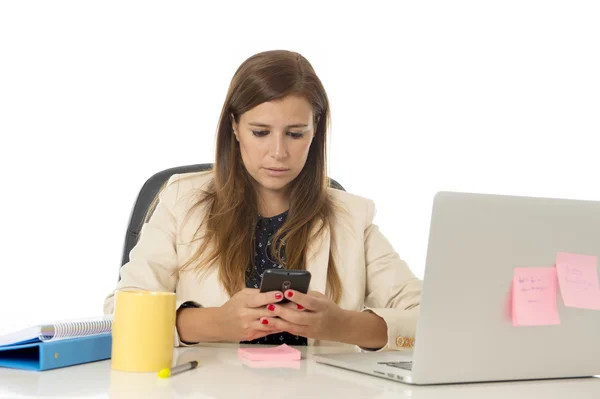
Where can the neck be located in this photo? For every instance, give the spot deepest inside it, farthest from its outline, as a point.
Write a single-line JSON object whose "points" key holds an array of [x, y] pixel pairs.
{"points": [[272, 203]]}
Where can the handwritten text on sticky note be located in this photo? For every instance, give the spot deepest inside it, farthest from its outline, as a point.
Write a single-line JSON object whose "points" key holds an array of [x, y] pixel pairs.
{"points": [[534, 296], [578, 280]]}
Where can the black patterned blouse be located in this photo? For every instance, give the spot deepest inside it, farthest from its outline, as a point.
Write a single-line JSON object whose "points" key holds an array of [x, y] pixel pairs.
{"points": [[265, 229]]}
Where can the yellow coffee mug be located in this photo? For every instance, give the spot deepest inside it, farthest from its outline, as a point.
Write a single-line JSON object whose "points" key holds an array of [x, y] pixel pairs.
{"points": [[143, 331]]}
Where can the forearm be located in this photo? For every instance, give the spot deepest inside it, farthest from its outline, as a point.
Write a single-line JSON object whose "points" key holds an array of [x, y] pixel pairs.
{"points": [[199, 325], [364, 329]]}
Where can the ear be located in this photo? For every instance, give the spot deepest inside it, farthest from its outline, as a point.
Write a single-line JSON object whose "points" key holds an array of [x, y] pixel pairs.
{"points": [[234, 127], [316, 124]]}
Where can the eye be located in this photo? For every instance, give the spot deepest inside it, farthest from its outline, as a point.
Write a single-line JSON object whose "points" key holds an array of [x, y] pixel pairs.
{"points": [[296, 135], [259, 133]]}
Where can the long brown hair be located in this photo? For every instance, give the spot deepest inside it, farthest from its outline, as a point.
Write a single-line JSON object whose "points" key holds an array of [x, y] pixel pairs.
{"points": [[230, 198]]}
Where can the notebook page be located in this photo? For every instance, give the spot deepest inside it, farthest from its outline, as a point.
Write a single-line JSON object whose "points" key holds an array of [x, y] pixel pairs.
{"points": [[59, 330], [25, 335]]}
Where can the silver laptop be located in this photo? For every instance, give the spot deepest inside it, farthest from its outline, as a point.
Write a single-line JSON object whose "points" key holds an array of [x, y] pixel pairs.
{"points": [[465, 331]]}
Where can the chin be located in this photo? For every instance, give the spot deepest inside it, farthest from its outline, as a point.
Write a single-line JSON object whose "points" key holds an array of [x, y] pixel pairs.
{"points": [[274, 183], [273, 186]]}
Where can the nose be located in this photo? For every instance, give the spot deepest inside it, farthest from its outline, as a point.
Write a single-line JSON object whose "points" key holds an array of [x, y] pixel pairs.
{"points": [[278, 147]]}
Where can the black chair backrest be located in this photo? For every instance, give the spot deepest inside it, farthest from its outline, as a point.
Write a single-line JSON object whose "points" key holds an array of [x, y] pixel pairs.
{"points": [[147, 196]]}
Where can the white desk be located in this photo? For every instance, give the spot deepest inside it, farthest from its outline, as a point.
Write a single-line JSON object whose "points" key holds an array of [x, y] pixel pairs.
{"points": [[222, 375]]}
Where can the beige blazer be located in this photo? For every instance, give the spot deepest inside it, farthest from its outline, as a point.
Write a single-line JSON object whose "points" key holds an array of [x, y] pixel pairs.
{"points": [[372, 274]]}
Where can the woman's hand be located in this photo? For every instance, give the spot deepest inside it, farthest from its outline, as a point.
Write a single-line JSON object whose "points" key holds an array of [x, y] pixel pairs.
{"points": [[242, 317], [311, 315], [314, 315]]}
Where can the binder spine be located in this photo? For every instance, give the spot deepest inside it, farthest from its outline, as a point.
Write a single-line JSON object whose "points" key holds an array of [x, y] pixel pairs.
{"points": [[75, 351]]}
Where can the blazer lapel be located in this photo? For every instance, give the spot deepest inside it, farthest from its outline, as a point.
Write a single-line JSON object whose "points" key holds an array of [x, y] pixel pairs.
{"points": [[317, 258], [317, 262]]}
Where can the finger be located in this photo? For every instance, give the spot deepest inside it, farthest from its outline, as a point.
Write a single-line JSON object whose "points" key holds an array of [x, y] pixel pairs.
{"points": [[261, 299], [254, 314], [291, 315], [261, 328], [307, 301], [292, 305], [284, 325], [264, 324]]}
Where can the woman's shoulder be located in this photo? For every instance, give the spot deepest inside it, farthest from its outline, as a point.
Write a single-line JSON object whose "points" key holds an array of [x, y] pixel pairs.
{"points": [[352, 205], [191, 180], [182, 189]]}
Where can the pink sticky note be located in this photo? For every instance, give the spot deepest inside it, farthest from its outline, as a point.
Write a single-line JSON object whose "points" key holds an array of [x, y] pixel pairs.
{"points": [[271, 364], [534, 296], [281, 352], [578, 280]]}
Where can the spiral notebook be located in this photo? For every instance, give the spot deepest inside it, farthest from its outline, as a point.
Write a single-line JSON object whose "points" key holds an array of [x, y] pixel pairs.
{"points": [[59, 330], [54, 345]]}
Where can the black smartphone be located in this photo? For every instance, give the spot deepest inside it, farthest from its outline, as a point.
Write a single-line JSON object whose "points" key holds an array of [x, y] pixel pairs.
{"points": [[282, 280]]}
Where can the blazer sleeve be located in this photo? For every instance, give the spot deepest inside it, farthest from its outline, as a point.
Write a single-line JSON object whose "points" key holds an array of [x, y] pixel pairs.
{"points": [[153, 260], [392, 290]]}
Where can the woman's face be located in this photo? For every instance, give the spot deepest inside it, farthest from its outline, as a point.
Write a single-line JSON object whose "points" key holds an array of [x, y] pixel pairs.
{"points": [[274, 139]]}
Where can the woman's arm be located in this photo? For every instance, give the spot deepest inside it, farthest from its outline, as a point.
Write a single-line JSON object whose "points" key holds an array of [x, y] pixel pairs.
{"points": [[392, 290], [364, 329], [153, 260], [198, 325], [236, 320]]}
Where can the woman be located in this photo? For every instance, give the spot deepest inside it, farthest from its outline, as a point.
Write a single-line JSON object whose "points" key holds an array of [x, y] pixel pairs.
{"points": [[267, 204]]}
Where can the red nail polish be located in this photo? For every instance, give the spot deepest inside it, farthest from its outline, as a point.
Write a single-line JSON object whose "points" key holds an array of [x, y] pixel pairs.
{"points": [[265, 321], [290, 294], [278, 296], [271, 307], [300, 307]]}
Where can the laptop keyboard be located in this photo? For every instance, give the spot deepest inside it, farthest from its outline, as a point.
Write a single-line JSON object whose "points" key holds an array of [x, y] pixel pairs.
{"points": [[398, 365]]}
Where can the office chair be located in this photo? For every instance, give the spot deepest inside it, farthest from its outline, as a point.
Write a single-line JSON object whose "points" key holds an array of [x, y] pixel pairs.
{"points": [[145, 200]]}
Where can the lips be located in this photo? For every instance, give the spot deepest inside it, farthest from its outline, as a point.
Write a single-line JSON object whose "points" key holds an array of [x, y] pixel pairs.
{"points": [[276, 173]]}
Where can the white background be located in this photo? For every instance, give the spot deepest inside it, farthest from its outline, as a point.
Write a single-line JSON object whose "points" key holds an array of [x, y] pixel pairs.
{"points": [[95, 97]]}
